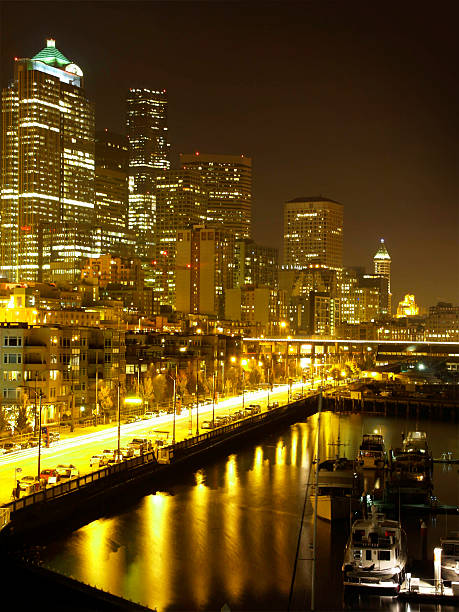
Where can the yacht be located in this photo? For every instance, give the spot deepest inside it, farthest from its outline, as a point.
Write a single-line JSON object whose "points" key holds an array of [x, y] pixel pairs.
{"points": [[339, 489], [411, 469], [372, 454], [450, 557], [376, 554]]}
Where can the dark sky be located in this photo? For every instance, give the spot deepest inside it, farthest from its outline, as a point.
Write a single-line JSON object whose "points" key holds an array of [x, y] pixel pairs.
{"points": [[356, 101]]}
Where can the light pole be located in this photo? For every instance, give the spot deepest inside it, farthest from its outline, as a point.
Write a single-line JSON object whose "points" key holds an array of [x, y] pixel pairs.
{"points": [[213, 400], [40, 395], [119, 422], [268, 389], [243, 388], [197, 399]]}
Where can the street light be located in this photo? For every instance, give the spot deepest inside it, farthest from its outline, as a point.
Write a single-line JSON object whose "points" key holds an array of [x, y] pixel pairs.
{"points": [[40, 395], [174, 380]]}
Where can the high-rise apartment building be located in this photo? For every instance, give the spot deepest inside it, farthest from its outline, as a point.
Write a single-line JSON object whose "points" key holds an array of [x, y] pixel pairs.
{"points": [[204, 269], [382, 263], [148, 156], [181, 203], [228, 180], [313, 232], [47, 157]]}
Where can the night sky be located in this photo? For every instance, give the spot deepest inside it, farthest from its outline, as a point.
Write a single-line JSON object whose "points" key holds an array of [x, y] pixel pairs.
{"points": [[356, 101]]}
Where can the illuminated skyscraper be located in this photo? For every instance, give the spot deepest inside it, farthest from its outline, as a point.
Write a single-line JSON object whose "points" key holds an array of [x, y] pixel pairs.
{"points": [[148, 156], [47, 157], [111, 180], [228, 180], [382, 263], [181, 203], [313, 233]]}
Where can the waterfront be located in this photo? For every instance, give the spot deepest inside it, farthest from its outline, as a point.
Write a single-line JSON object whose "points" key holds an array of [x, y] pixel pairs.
{"points": [[228, 533]]}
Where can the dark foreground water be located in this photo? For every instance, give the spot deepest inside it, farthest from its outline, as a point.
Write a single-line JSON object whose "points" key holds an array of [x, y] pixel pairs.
{"points": [[229, 533]]}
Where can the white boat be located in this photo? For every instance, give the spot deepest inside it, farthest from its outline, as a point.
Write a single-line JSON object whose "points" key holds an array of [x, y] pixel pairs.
{"points": [[450, 557], [376, 554], [338, 492], [372, 453], [411, 469]]}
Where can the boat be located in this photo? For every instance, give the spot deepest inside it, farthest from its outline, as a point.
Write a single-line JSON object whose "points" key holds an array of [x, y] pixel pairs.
{"points": [[411, 469], [339, 489], [372, 453], [450, 557], [376, 554]]}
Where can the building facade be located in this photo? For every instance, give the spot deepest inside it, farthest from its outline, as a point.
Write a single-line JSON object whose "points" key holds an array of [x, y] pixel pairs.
{"points": [[313, 232], [148, 156], [181, 203], [256, 265], [382, 262], [47, 157], [204, 270], [228, 180]]}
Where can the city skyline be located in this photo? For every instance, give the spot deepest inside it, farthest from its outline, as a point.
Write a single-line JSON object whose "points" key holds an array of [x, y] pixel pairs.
{"points": [[378, 134]]}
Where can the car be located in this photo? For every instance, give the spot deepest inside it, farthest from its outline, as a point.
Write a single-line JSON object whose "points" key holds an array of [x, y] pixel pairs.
{"points": [[207, 425], [275, 405], [132, 419], [220, 421], [54, 436], [238, 415], [11, 447], [26, 483], [126, 452], [298, 396], [98, 461], [149, 415], [254, 408], [50, 476], [33, 441], [67, 470], [140, 445]]}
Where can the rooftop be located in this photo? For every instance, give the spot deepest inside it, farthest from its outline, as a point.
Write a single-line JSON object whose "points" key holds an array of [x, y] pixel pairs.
{"points": [[52, 56], [313, 199]]}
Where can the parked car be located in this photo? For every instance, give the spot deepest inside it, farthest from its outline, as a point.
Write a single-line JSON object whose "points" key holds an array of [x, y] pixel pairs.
{"points": [[254, 408], [140, 445], [207, 425], [132, 419], [54, 436], [149, 415], [11, 447], [238, 415], [67, 470], [50, 476], [26, 483], [127, 452], [220, 421], [98, 461]]}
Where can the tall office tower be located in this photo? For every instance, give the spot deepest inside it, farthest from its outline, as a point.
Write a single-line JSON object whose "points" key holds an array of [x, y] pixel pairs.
{"points": [[47, 157], [382, 263], [111, 179], [148, 156], [204, 268], [228, 179], [313, 232], [256, 265], [181, 202]]}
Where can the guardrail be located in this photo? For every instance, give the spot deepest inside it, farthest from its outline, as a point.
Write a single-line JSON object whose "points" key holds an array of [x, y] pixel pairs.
{"points": [[59, 490]]}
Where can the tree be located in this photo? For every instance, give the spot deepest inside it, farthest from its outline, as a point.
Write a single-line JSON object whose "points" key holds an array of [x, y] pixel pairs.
{"points": [[159, 388], [105, 397]]}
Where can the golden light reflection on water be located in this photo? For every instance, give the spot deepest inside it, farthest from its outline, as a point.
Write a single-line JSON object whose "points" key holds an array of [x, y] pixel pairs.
{"points": [[199, 524], [233, 552], [156, 557], [94, 551], [294, 444]]}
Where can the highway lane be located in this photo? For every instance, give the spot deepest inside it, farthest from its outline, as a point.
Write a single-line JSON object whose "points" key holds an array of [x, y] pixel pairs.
{"points": [[77, 449]]}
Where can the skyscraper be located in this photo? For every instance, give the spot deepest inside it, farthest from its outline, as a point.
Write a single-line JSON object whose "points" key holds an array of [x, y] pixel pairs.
{"points": [[313, 232], [382, 263], [47, 157], [111, 179], [148, 156], [204, 269], [181, 203], [228, 180]]}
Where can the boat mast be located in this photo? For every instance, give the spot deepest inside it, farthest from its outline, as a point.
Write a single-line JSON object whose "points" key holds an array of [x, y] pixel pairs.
{"points": [[314, 540]]}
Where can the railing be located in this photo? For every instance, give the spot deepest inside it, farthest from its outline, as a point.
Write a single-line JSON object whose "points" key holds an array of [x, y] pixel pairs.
{"points": [[59, 490]]}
